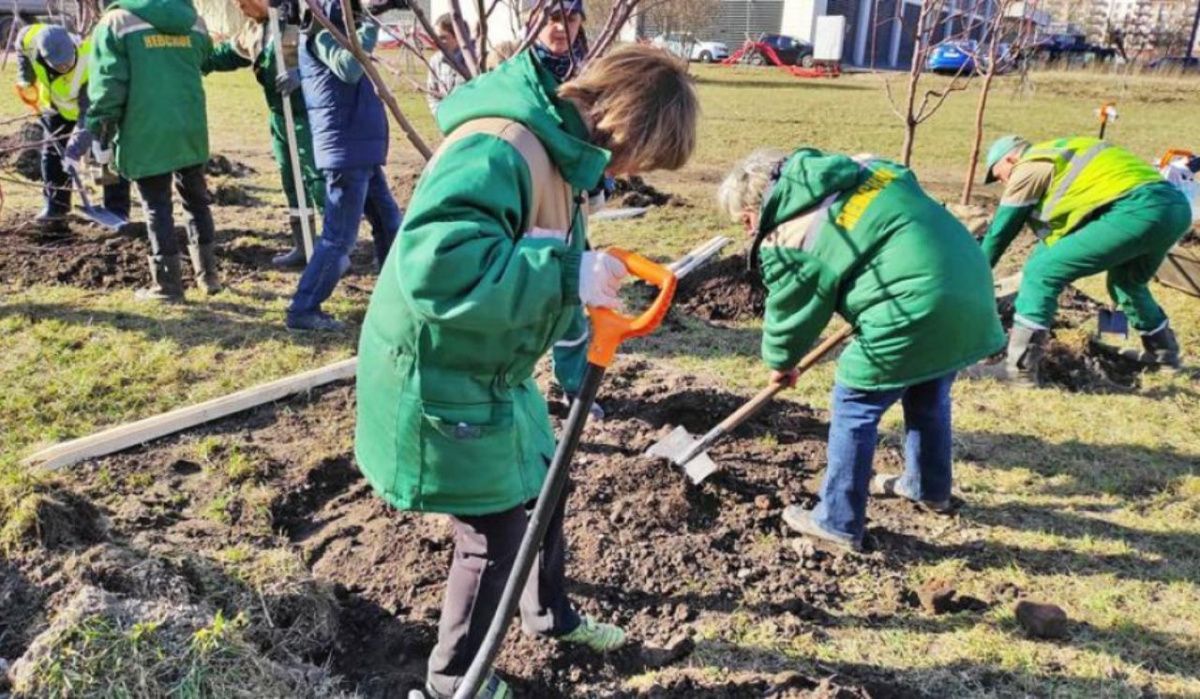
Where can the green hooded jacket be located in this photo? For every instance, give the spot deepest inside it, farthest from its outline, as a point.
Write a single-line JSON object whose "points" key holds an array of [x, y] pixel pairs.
{"points": [[144, 85], [865, 240], [449, 417]]}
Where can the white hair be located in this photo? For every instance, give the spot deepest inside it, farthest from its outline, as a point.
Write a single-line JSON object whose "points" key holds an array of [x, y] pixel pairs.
{"points": [[746, 184]]}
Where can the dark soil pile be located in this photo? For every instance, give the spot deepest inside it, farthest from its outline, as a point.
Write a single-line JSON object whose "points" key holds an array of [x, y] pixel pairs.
{"points": [[16, 153], [664, 558], [723, 290], [634, 192], [89, 257], [221, 166]]}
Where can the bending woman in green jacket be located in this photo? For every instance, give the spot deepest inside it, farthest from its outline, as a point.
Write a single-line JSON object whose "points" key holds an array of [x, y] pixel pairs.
{"points": [[487, 273], [859, 237]]}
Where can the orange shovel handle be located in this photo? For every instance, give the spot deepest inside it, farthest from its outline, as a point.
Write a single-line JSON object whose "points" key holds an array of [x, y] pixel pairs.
{"points": [[610, 329], [1172, 154]]}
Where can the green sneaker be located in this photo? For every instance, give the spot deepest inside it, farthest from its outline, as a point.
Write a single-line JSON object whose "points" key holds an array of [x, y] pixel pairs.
{"points": [[601, 638]]}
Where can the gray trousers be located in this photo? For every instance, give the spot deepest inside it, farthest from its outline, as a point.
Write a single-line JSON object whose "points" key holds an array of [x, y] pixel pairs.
{"points": [[485, 548]]}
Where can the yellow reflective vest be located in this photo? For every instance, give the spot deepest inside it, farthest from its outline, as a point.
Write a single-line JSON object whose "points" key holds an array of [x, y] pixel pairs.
{"points": [[1088, 173], [62, 92]]}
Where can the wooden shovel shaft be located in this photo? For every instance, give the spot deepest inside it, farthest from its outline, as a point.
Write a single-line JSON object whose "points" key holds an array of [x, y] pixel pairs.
{"points": [[764, 396]]}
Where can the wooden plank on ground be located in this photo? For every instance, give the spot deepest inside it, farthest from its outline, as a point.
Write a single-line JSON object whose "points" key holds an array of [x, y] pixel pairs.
{"points": [[131, 434]]}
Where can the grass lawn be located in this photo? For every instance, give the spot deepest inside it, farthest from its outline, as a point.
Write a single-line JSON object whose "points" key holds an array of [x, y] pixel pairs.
{"points": [[1090, 500]]}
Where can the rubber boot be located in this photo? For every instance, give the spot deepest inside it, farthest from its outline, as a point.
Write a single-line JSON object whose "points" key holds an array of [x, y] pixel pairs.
{"points": [[166, 280], [1160, 348], [1025, 349], [294, 258], [1020, 367], [204, 265]]}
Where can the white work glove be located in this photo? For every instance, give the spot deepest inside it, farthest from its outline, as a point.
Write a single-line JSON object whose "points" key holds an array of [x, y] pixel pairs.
{"points": [[600, 276], [100, 154]]}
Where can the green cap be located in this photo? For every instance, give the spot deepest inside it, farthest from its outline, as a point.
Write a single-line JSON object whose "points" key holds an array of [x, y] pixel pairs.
{"points": [[1000, 147]]}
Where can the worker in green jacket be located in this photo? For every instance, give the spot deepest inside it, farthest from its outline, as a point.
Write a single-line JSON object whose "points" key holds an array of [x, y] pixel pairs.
{"points": [[488, 272], [1094, 208], [251, 48], [859, 237], [147, 104]]}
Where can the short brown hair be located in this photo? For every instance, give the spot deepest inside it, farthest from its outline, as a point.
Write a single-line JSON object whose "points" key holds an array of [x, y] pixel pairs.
{"points": [[642, 107], [445, 22]]}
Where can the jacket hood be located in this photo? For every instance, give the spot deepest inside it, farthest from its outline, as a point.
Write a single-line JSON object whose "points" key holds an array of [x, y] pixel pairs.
{"points": [[807, 177], [521, 90], [167, 16]]}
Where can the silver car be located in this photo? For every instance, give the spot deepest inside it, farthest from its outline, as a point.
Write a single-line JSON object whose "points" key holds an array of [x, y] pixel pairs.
{"points": [[687, 46]]}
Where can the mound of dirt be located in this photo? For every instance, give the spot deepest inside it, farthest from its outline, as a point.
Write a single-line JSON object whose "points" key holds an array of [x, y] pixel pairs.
{"points": [[19, 152], [648, 550], [723, 290], [53, 518], [92, 258], [1078, 364], [221, 166], [633, 191]]}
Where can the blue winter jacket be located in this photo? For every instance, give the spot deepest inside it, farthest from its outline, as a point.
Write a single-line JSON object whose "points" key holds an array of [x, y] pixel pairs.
{"points": [[348, 123]]}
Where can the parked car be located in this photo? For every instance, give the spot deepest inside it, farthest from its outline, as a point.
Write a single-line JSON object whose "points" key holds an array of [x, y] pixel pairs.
{"points": [[1071, 48], [687, 46], [1176, 64], [1006, 58], [956, 57], [790, 51], [17, 13]]}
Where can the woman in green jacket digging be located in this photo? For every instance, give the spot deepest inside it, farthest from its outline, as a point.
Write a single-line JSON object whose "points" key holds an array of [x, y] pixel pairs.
{"points": [[858, 236], [486, 274]]}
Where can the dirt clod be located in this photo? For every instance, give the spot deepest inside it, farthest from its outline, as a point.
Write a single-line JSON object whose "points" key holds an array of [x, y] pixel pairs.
{"points": [[936, 597], [679, 647], [1042, 620], [53, 518]]}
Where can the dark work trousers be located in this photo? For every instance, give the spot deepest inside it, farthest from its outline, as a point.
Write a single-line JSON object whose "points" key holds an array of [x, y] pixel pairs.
{"points": [[485, 548], [56, 183], [160, 218]]}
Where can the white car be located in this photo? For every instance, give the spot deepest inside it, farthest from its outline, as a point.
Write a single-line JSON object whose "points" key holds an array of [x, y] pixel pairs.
{"points": [[689, 47]]}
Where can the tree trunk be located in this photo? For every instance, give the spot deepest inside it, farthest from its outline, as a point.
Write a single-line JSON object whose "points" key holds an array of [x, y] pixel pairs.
{"points": [[977, 145]]}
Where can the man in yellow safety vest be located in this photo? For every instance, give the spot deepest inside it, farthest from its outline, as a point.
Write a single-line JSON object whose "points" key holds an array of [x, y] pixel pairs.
{"points": [[1095, 208], [52, 76]]}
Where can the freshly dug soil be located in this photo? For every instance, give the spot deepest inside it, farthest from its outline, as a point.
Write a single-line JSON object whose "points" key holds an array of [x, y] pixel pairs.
{"points": [[633, 191], [663, 558], [221, 166], [90, 257], [723, 290], [26, 162]]}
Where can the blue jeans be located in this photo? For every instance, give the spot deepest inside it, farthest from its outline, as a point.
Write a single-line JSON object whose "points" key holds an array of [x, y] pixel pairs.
{"points": [[853, 430], [350, 194]]}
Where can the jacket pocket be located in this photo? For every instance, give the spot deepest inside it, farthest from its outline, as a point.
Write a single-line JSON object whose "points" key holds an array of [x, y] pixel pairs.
{"points": [[469, 460]]}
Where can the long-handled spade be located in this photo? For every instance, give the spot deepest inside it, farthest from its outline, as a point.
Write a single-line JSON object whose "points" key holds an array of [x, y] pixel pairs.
{"points": [[682, 449], [609, 330]]}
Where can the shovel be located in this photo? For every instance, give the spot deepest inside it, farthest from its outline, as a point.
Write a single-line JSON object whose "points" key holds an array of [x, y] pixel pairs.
{"points": [[682, 449], [609, 330], [96, 214]]}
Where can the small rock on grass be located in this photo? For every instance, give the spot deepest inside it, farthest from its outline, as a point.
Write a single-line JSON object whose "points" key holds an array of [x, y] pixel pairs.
{"points": [[1042, 620], [936, 596]]}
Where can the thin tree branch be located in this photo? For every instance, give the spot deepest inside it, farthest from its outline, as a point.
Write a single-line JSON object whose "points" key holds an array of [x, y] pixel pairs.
{"points": [[349, 41], [463, 34], [446, 52], [481, 50]]}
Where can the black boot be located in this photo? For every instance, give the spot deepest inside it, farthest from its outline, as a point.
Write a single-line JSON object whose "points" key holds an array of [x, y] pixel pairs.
{"points": [[294, 258], [204, 265], [166, 280], [1159, 348]]}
